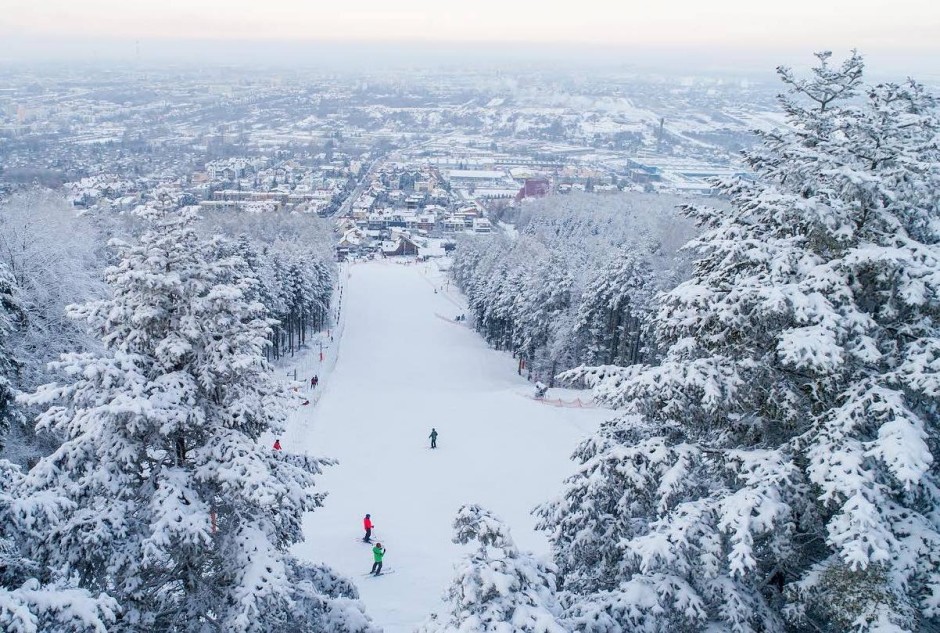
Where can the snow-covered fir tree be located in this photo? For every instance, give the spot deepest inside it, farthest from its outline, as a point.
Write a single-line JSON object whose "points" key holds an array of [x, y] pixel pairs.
{"points": [[32, 598], [542, 309], [777, 470], [614, 313], [172, 503], [9, 310], [498, 589]]}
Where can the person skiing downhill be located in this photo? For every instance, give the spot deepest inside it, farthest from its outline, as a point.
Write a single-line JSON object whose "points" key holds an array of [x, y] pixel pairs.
{"points": [[367, 524], [377, 553], [277, 444], [433, 437]]}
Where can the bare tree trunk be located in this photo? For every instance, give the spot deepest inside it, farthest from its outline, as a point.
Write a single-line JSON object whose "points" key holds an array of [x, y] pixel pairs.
{"points": [[614, 333], [180, 448]]}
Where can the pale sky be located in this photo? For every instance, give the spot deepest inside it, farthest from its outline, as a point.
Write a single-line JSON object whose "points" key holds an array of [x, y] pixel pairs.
{"points": [[776, 23], [909, 28]]}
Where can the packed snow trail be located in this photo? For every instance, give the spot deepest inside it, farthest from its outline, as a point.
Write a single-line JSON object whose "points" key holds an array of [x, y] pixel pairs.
{"points": [[402, 370]]}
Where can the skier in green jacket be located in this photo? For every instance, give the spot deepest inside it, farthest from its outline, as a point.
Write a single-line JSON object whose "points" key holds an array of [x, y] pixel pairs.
{"points": [[377, 553]]}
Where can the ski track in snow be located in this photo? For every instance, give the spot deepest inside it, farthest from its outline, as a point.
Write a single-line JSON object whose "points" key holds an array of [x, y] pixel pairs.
{"points": [[400, 371]]}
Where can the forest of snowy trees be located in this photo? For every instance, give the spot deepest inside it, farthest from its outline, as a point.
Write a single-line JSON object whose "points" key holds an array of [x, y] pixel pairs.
{"points": [[773, 466], [139, 497], [291, 258], [576, 286], [772, 356]]}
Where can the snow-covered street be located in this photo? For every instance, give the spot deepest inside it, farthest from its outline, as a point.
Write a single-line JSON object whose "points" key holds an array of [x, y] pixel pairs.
{"points": [[402, 370]]}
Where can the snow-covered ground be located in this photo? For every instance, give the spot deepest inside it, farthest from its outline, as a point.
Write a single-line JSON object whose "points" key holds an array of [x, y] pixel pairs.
{"points": [[401, 369]]}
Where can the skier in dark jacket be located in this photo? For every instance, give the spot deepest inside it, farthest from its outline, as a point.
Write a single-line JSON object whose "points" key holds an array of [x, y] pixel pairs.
{"points": [[377, 553], [433, 437]]}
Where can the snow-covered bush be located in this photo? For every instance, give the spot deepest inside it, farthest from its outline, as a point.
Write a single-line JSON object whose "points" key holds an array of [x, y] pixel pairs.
{"points": [[498, 589], [170, 502], [777, 470]]}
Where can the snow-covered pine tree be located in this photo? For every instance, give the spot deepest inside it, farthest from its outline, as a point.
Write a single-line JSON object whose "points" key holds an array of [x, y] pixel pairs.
{"points": [[541, 315], [777, 471], [293, 262], [8, 313], [281, 299], [321, 296], [34, 598], [503, 290], [172, 503], [498, 589], [614, 310]]}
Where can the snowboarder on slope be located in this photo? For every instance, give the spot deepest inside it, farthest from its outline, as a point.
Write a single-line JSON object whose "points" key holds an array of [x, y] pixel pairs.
{"points": [[367, 524], [433, 437], [277, 444], [377, 553]]}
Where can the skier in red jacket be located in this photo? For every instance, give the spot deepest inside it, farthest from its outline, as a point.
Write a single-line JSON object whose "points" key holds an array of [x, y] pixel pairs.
{"points": [[367, 524]]}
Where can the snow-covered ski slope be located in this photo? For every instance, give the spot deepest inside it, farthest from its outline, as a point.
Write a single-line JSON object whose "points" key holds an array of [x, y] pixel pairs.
{"points": [[401, 370]]}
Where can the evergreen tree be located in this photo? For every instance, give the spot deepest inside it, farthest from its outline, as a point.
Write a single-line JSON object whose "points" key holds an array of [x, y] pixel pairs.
{"points": [[172, 503], [33, 598], [542, 308], [498, 589], [9, 310], [777, 470], [614, 311]]}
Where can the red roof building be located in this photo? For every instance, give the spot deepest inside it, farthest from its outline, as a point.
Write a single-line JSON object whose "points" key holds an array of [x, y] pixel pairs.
{"points": [[534, 188]]}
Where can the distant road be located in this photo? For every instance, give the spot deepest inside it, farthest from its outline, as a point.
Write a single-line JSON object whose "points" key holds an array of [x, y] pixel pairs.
{"points": [[364, 180]]}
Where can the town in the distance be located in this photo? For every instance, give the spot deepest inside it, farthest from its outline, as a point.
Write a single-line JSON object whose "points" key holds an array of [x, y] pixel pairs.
{"points": [[397, 158]]}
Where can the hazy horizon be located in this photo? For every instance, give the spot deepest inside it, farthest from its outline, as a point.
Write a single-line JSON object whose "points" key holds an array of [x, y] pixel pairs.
{"points": [[378, 55], [730, 34]]}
